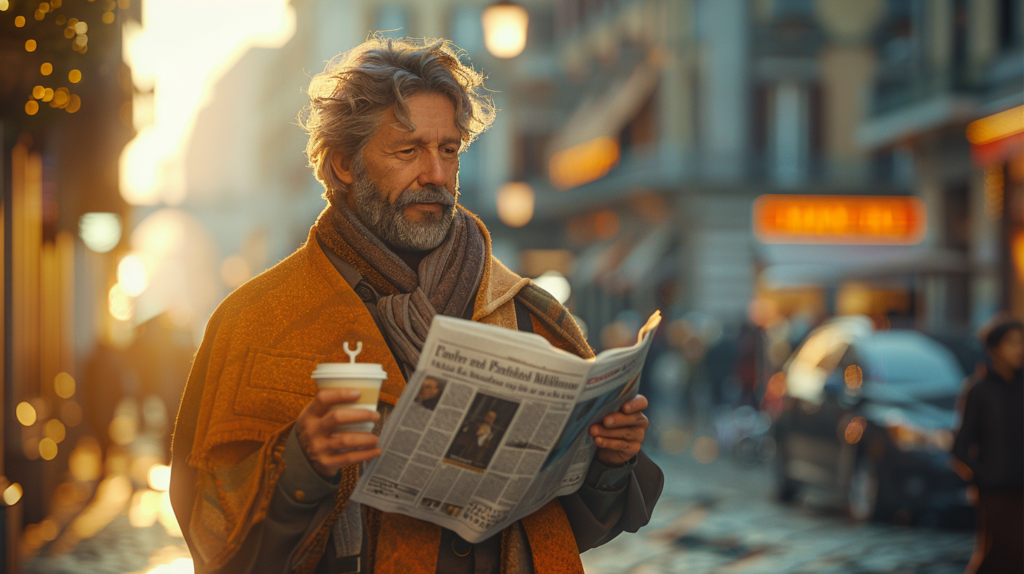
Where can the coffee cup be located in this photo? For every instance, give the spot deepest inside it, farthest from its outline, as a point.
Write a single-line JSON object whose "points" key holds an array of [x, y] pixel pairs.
{"points": [[366, 378]]}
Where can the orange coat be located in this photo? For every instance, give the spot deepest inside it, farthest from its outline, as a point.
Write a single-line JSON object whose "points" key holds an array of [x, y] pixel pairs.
{"points": [[251, 378]]}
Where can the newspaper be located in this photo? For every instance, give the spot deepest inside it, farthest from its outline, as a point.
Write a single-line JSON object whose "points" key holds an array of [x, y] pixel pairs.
{"points": [[493, 425]]}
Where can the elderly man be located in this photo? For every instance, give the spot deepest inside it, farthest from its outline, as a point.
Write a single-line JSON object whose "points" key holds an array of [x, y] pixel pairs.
{"points": [[261, 477]]}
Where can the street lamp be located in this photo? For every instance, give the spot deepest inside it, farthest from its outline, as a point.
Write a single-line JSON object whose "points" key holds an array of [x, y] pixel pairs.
{"points": [[505, 28]]}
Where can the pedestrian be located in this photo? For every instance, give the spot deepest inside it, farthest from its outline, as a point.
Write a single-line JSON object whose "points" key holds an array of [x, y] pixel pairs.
{"points": [[261, 475], [991, 443]]}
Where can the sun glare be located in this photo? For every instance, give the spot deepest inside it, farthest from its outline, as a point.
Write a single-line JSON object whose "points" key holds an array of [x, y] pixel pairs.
{"points": [[179, 52]]}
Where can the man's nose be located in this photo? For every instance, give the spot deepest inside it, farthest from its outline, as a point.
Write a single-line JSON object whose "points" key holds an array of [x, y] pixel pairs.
{"points": [[434, 171]]}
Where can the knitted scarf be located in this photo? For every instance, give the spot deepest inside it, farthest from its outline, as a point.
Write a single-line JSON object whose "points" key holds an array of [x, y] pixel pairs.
{"points": [[408, 299]]}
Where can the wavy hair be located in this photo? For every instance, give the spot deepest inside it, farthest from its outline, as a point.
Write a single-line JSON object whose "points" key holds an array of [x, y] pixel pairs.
{"points": [[349, 98]]}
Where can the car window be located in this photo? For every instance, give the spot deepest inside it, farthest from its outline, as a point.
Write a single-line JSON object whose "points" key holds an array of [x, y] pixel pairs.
{"points": [[816, 359], [911, 361]]}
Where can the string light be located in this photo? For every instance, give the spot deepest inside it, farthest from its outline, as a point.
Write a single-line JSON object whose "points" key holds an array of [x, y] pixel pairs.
{"points": [[74, 76], [19, 22], [37, 92], [30, 45], [31, 107], [46, 69]]}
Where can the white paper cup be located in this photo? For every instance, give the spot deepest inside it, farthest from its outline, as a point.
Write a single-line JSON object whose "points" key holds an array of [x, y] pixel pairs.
{"points": [[366, 378]]}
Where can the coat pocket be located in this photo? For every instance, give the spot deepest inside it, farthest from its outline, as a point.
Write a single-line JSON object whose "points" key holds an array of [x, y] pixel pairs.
{"points": [[276, 385]]}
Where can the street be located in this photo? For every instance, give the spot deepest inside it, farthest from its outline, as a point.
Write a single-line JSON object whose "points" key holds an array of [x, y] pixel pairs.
{"points": [[715, 517]]}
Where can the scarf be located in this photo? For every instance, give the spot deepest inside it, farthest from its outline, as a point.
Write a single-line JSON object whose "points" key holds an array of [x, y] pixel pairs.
{"points": [[408, 299]]}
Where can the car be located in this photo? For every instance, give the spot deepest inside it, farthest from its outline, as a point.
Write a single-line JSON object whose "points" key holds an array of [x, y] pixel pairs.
{"points": [[870, 415]]}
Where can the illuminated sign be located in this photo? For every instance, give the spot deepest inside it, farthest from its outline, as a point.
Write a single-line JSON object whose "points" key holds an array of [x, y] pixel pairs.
{"points": [[839, 219], [583, 163], [997, 137]]}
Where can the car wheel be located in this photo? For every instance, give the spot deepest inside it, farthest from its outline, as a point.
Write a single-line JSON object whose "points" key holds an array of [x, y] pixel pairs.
{"points": [[785, 488], [866, 498]]}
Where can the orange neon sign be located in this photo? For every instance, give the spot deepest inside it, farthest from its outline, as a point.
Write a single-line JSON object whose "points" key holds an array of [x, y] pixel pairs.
{"points": [[583, 163], [839, 219]]}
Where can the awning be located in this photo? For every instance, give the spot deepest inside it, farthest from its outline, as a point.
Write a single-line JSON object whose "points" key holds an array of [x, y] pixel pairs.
{"points": [[605, 114], [832, 265]]}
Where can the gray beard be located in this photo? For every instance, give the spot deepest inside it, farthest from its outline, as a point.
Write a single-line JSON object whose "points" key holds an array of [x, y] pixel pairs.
{"points": [[387, 220]]}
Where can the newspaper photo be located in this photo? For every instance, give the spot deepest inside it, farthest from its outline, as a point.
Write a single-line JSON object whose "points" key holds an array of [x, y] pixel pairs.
{"points": [[493, 424]]}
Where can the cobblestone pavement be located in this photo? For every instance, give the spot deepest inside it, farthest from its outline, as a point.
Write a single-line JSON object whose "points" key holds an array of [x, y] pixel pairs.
{"points": [[714, 518], [720, 519]]}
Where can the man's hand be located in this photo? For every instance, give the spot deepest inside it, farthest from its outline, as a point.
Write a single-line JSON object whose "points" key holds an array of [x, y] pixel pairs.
{"points": [[327, 448], [620, 434]]}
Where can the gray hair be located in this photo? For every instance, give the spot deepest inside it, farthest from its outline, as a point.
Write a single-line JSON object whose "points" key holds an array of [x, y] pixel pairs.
{"points": [[349, 98]]}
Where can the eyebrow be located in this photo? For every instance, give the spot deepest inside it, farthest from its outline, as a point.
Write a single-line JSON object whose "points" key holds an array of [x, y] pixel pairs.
{"points": [[419, 141]]}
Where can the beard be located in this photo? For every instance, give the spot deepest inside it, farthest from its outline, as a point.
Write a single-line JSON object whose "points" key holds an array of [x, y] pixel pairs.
{"points": [[387, 220]]}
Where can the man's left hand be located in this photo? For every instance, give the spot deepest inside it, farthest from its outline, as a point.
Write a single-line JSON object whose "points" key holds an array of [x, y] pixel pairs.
{"points": [[620, 434]]}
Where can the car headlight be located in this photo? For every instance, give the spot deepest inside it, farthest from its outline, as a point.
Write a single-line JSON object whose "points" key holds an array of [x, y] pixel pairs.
{"points": [[910, 438]]}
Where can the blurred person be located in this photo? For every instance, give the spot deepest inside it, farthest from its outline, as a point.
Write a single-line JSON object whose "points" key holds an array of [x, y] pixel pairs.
{"points": [[430, 393], [990, 443], [260, 477]]}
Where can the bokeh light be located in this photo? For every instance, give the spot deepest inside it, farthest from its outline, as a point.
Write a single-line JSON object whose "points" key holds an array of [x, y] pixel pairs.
{"points": [[54, 430], [120, 304], [505, 27], [26, 414], [75, 76], [47, 448], [132, 275], [12, 494], [46, 69], [234, 271], [515, 203], [30, 45], [64, 385], [556, 284], [100, 232], [159, 477], [86, 460]]}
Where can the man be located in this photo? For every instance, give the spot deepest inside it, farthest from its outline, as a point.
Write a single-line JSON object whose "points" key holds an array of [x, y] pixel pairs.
{"points": [[261, 478], [430, 393], [991, 443]]}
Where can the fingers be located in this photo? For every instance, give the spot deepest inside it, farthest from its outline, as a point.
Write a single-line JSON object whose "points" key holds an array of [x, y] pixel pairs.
{"points": [[617, 420], [632, 433], [634, 405], [330, 421], [349, 440], [619, 445], [327, 398]]}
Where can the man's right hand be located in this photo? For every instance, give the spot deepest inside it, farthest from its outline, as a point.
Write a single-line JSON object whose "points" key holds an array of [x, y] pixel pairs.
{"points": [[327, 448]]}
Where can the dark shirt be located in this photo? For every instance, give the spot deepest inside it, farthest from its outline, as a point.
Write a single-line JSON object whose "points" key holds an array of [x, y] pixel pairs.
{"points": [[991, 438]]}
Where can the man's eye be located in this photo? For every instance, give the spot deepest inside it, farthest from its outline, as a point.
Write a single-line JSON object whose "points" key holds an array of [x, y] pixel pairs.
{"points": [[407, 151]]}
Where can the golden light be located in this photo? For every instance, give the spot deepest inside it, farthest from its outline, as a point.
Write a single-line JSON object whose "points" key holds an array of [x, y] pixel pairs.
{"points": [[86, 460], [505, 25], [108, 17], [159, 477], [515, 203], [60, 98], [132, 275], [47, 94], [995, 188], [583, 163], [12, 494], [100, 232], [19, 22], [234, 271], [4, 5], [81, 40], [54, 430], [123, 429], [75, 76], [46, 69], [74, 104], [47, 449], [81, 28], [144, 508], [996, 127], [38, 91], [853, 377], [44, 7], [64, 385], [31, 107], [855, 430], [26, 414], [120, 304], [30, 45], [839, 219]]}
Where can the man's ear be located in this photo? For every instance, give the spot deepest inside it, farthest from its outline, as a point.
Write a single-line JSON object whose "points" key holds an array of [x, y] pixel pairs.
{"points": [[342, 168]]}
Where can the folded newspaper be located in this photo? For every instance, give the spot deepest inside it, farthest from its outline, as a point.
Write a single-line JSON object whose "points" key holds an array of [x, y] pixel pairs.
{"points": [[493, 425]]}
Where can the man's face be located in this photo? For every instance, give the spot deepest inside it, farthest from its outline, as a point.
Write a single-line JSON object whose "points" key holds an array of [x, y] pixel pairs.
{"points": [[490, 417], [1011, 349], [404, 184], [429, 389]]}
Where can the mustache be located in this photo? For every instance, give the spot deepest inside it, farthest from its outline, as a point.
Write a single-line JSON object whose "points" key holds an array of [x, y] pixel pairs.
{"points": [[426, 195]]}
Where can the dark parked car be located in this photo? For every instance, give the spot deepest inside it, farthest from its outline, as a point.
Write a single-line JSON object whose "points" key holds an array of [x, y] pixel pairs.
{"points": [[870, 415]]}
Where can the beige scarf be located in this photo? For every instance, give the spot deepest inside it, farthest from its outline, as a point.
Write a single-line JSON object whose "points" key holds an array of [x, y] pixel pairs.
{"points": [[408, 299]]}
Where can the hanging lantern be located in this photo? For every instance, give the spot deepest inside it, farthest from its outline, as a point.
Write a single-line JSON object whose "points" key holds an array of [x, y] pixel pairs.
{"points": [[505, 29]]}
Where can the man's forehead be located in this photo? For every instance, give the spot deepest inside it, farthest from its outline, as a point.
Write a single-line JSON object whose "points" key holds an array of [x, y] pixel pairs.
{"points": [[433, 115]]}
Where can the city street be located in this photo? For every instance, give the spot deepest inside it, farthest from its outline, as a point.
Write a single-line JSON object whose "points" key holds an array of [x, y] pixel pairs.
{"points": [[716, 518]]}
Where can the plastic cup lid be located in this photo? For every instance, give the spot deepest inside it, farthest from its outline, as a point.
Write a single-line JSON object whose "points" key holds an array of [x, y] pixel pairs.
{"points": [[349, 371]]}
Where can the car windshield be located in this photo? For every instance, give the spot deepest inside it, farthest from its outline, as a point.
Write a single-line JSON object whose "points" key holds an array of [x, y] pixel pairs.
{"points": [[913, 362]]}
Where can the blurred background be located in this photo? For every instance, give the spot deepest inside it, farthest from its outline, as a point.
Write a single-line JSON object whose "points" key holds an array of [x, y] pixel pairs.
{"points": [[825, 198]]}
